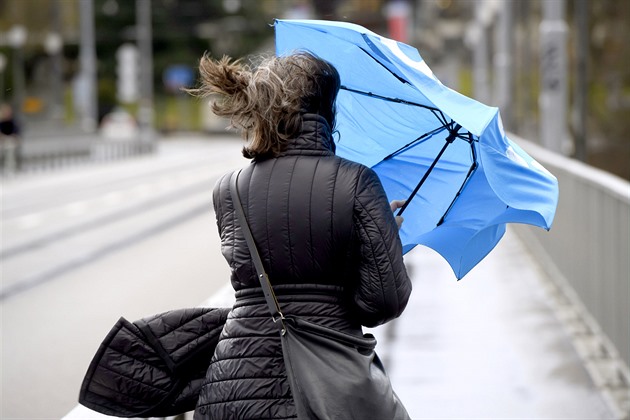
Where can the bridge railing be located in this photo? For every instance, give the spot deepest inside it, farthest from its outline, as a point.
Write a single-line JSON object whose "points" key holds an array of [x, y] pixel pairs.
{"points": [[587, 250], [43, 156]]}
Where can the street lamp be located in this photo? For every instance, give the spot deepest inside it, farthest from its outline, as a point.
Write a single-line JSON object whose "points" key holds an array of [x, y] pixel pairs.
{"points": [[553, 97], [86, 86], [53, 44], [3, 65], [145, 48], [17, 36]]}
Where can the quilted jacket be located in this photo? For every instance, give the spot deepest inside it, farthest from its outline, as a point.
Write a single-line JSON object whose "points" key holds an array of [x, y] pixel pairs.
{"points": [[155, 366], [330, 245]]}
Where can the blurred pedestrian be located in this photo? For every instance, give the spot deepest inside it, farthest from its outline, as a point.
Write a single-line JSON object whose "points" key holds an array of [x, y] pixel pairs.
{"points": [[10, 140], [322, 224]]}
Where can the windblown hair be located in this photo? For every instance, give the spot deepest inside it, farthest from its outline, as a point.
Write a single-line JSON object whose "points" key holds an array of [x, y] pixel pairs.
{"points": [[266, 103]]}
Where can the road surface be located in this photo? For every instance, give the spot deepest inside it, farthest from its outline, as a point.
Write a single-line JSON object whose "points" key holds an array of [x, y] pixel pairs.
{"points": [[86, 245]]}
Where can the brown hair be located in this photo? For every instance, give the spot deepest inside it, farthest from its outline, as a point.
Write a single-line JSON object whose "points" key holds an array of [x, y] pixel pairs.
{"points": [[267, 103]]}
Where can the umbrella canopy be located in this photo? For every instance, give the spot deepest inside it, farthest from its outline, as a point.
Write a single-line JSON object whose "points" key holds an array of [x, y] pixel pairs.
{"points": [[447, 154]]}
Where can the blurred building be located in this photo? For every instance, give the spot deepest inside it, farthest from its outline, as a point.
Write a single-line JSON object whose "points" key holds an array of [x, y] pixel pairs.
{"points": [[39, 53]]}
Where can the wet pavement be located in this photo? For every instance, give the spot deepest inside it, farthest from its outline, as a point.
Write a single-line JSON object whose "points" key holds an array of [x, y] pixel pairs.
{"points": [[487, 347]]}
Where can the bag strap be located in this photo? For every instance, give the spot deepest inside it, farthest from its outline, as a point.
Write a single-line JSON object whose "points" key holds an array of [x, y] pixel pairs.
{"points": [[270, 297]]}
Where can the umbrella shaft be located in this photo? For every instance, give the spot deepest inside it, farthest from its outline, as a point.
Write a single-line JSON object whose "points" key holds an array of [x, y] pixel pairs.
{"points": [[424, 178], [451, 137]]}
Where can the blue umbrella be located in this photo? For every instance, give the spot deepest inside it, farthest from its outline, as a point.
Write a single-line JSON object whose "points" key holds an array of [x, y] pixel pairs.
{"points": [[447, 154]]}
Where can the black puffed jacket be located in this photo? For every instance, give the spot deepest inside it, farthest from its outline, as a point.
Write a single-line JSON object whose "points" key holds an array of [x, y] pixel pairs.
{"points": [[330, 245]]}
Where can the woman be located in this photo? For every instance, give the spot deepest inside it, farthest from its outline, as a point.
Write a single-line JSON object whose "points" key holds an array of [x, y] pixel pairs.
{"points": [[322, 224], [10, 140]]}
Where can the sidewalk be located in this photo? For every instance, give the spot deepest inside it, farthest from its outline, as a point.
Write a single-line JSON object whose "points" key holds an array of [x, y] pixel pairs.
{"points": [[486, 347]]}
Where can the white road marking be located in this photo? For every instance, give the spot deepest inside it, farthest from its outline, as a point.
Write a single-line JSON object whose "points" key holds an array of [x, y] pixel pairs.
{"points": [[30, 221], [165, 183], [76, 209], [118, 197], [112, 198]]}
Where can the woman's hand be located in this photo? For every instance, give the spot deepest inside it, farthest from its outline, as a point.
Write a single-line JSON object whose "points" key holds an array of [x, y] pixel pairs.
{"points": [[395, 205]]}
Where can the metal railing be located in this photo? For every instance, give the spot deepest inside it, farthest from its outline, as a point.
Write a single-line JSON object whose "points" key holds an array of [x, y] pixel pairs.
{"points": [[587, 253], [18, 159]]}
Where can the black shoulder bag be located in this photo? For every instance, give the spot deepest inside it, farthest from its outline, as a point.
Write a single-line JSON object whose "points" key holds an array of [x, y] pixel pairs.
{"points": [[332, 374]]}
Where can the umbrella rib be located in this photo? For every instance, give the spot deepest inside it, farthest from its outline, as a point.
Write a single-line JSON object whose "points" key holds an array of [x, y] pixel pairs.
{"points": [[467, 137], [472, 169], [385, 67], [440, 117], [390, 99], [430, 133]]}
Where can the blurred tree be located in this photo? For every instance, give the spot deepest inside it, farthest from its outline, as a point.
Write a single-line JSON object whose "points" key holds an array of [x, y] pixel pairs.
{"points": [[326, 9], [608, 144], [178, 30]]}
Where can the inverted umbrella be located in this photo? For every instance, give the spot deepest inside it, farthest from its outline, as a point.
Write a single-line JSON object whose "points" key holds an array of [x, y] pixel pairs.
{"points": [[447, 154]]}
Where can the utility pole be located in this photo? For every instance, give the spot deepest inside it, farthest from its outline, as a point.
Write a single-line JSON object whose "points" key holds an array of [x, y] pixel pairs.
{"points": [[554, 78], [54, 47], [3, 65], [504, 44], [477, 38], [580, 107], [87, 59], [17, 37], [145, 48]]}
